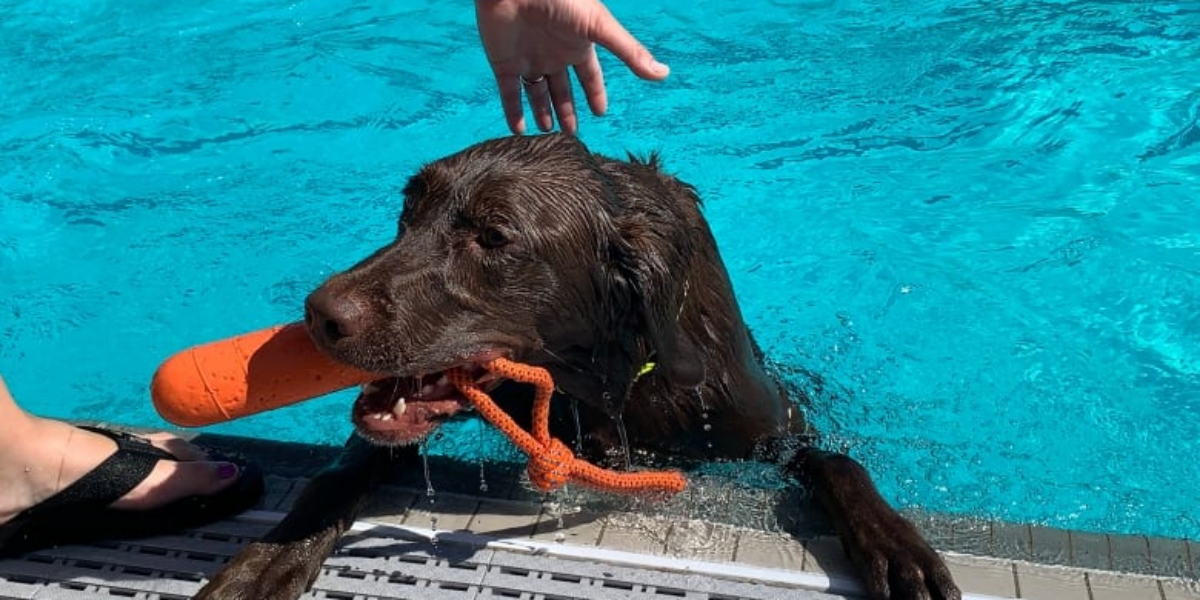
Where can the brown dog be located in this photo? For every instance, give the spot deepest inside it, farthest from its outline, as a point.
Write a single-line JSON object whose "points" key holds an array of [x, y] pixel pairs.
{"points": [[537, 249]]}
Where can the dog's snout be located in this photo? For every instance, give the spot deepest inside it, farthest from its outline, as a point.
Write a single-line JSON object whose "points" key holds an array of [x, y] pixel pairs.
{"points": [[334, 317]]}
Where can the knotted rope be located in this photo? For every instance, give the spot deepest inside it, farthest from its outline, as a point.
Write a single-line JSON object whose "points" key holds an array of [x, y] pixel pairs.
{"points": [[551, 463]]}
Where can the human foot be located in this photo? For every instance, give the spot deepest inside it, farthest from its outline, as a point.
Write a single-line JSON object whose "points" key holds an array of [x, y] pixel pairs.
{"points": [[51, 455], [137, 491]]}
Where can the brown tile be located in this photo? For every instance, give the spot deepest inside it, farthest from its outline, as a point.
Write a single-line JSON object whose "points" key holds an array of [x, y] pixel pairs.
{"points": [[1049, 545], [442, 512], [1193, 559], [694, 539], [938, 531], [1090, 550], [1050, 583], [501, 480], [1130, 553], [972, 536], [279, 493], [1180, 589], [578, 527], [288, 495], [985, 576], [772, 550], [505, 519], [1011, 541], [824, 554], [635, 533], [387, 505], [1169, 557], [1118, 586]]}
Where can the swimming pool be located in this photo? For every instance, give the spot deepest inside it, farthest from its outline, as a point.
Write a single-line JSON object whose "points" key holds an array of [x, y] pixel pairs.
{"points": [[976, 224]]}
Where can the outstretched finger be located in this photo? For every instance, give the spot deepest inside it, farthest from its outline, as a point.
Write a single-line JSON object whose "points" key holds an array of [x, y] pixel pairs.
{"points": [[611, 34], [563, 101], [591, 79], [537, 90], [510, 100]]}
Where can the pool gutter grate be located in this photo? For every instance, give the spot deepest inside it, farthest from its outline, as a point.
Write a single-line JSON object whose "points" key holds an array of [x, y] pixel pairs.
{"points": [[373, 562]]}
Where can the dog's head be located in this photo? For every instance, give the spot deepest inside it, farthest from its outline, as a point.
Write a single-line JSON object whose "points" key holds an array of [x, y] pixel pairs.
{"points": [[528, 247]]}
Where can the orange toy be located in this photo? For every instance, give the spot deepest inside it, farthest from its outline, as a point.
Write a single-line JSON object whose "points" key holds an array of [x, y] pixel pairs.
{"points": [[275, 367], [551, 463], [247, 374]]}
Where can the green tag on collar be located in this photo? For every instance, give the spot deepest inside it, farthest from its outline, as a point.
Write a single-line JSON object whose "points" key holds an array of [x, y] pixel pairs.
{"points": [[646, 368]]}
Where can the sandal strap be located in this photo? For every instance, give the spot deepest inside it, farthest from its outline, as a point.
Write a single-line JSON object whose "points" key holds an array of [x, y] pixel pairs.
{"points": [[116, 476], [130, 442]]}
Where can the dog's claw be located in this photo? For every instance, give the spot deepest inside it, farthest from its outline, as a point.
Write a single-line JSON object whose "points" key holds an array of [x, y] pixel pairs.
{"points": [[897, 564]]}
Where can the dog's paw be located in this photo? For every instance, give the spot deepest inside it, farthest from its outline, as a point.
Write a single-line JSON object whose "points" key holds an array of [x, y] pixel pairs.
{"points": [[264, 570], [896, 563]]}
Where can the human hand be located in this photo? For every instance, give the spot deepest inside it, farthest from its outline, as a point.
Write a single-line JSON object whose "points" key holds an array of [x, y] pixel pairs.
{"points": [[531, 44]]}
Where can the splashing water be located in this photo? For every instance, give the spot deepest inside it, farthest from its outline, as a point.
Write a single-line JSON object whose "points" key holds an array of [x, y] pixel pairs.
{"points": [[429, 491], [627, 452]]}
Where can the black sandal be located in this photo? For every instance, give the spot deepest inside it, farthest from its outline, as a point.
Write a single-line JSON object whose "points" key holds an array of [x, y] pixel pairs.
{"points": [[80, 512]]}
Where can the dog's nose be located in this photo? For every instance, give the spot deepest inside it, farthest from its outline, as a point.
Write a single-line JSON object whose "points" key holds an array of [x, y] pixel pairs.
{"points": [[333, 317]]}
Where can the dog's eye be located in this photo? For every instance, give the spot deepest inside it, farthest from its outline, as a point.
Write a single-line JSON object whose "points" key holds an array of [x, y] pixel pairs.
{"points": [[491, 237]]}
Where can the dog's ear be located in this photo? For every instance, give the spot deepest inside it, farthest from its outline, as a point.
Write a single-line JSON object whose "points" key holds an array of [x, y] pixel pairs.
{"points": [[659, 292], [656, 244]]}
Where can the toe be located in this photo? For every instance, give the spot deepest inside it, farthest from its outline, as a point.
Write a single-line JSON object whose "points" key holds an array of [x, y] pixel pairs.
{"points": [[176, 446], [171, 481]]}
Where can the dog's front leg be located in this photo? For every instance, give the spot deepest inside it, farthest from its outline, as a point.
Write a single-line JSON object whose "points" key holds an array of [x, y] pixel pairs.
{"points": [[286, 561], [893, 559]]}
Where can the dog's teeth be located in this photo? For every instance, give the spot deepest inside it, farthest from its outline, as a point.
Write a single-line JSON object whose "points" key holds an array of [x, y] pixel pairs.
{"points": [[399, 408], [369, 387], [443, 380]]}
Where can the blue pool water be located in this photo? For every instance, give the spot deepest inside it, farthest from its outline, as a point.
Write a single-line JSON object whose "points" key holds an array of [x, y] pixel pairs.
{"points": [[975, 223]]}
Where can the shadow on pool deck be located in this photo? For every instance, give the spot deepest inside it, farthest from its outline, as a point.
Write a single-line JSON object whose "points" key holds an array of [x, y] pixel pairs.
{"points": [[706, 529]]}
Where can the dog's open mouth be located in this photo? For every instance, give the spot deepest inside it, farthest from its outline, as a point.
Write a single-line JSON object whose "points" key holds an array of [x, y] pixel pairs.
{"points": [[398, 411]]}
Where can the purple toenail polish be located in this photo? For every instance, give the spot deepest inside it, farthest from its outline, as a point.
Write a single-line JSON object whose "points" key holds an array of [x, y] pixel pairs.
{"points": [[227, 470]]}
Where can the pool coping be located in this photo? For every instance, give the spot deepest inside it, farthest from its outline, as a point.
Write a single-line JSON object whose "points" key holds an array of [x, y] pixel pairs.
{"points": [[988, 559], [1140, 554], [981, 550]]}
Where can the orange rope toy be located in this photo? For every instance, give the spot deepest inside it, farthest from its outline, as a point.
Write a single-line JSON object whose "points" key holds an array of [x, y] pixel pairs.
{"points": [[551, 463]]}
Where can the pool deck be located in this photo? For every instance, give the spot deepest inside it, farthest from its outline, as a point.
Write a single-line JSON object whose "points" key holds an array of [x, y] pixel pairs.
{"points": [[510, 542]]}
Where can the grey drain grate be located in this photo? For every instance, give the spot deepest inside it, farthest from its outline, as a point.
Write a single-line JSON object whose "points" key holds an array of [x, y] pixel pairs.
{"points": [[366, 567]]}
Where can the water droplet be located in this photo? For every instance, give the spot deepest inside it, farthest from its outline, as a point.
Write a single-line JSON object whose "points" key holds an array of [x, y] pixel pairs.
{"points": [[560, 537], [708, 426], [620, 420], [429, 491], [578, 426]]}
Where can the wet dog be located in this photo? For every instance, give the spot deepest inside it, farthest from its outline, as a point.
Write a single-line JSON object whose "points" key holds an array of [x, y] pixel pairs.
{"points": [[537, 249]]}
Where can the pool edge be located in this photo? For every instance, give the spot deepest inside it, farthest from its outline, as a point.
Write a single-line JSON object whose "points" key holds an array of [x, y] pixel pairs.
{"points": [[989, 559]]}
